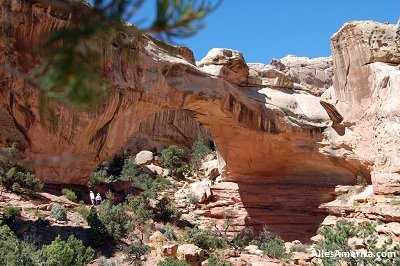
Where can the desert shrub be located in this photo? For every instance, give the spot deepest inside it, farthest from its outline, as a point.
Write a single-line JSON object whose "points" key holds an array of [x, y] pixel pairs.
{"points": [[132, 172], [130, 169], [172, 262], [135, 251], [82, 210], [69, 194], [62, 253], [243, 238], [199, 151], [143, 213], [109, 262], [15, 178], [100, 175], [299, 248], [203, 238], [166, 211], [98, 232], [192, 198], [10, 213], [274, 248], [335, 238], [39, 214], [265, 235], [172, 158], [215, 261], [141, 208], [58, 212], [394, 202], [14, 252], [114, 218], [168, 232]]}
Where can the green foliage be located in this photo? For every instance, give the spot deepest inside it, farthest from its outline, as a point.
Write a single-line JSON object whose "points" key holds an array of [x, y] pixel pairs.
{"points": [[109, 262], [335, 239], [10, 213], [192, 198], [69, 194], [150, 185], [82, 210], [299, 248], [71, 73], [344, 197], [199, 151], [166, 211], [63, 253], [39, 214], [172, 158], [215, 261], [130, 169], [135, 251], [243, 238], [58, 212], [394, 202], [172, 262], [168, 232], [13, 177], [114, 218], [142, 211], [203, 238], [274, 248], [98, 231], [179, 18], [14, 252], [100, 175]]}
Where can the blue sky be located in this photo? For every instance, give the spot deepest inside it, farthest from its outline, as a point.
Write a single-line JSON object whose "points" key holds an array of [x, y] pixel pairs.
{"points": [[265, 29]]}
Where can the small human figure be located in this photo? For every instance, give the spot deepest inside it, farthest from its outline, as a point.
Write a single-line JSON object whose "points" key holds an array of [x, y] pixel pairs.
{"points": [[98, 199], [91, 197]]}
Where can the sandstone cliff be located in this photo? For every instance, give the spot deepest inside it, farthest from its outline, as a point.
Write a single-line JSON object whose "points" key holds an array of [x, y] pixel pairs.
{"points": [[268, 130]]}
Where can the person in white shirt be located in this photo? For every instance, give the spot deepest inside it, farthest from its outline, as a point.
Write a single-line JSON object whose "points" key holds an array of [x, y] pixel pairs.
{"points": [[91, 197], [98, 199]]}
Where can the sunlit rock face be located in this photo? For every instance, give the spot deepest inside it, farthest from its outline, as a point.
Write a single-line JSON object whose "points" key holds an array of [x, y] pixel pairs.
{"points": [[366, 60], [260, 131], [273, 136]]}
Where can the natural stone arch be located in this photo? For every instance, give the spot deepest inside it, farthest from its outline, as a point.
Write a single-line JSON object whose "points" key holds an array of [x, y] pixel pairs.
{"points": [[257, 137]]}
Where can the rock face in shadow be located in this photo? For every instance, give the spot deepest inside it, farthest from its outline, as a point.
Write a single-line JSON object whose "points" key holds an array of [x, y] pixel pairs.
{"points": [[166, 128], [289, 210]]}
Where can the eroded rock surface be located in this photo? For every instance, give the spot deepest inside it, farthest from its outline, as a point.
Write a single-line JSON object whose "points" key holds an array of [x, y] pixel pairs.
{"points": [[248, 124], [267, 122]]}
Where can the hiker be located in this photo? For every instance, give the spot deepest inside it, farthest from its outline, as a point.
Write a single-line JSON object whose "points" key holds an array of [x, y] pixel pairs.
{"points": [[98, 199], [91, 197]]}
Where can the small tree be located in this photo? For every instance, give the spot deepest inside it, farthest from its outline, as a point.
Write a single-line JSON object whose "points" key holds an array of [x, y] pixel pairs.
{"points": [[172, 262], [274, 248], [172, 158], [58, 212], [10, 213], [167, 211], [14, 251], [69, 194], [143, 214], [70, 252], [114, 218], [135, 251], [199, 151], [14, 177]]}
